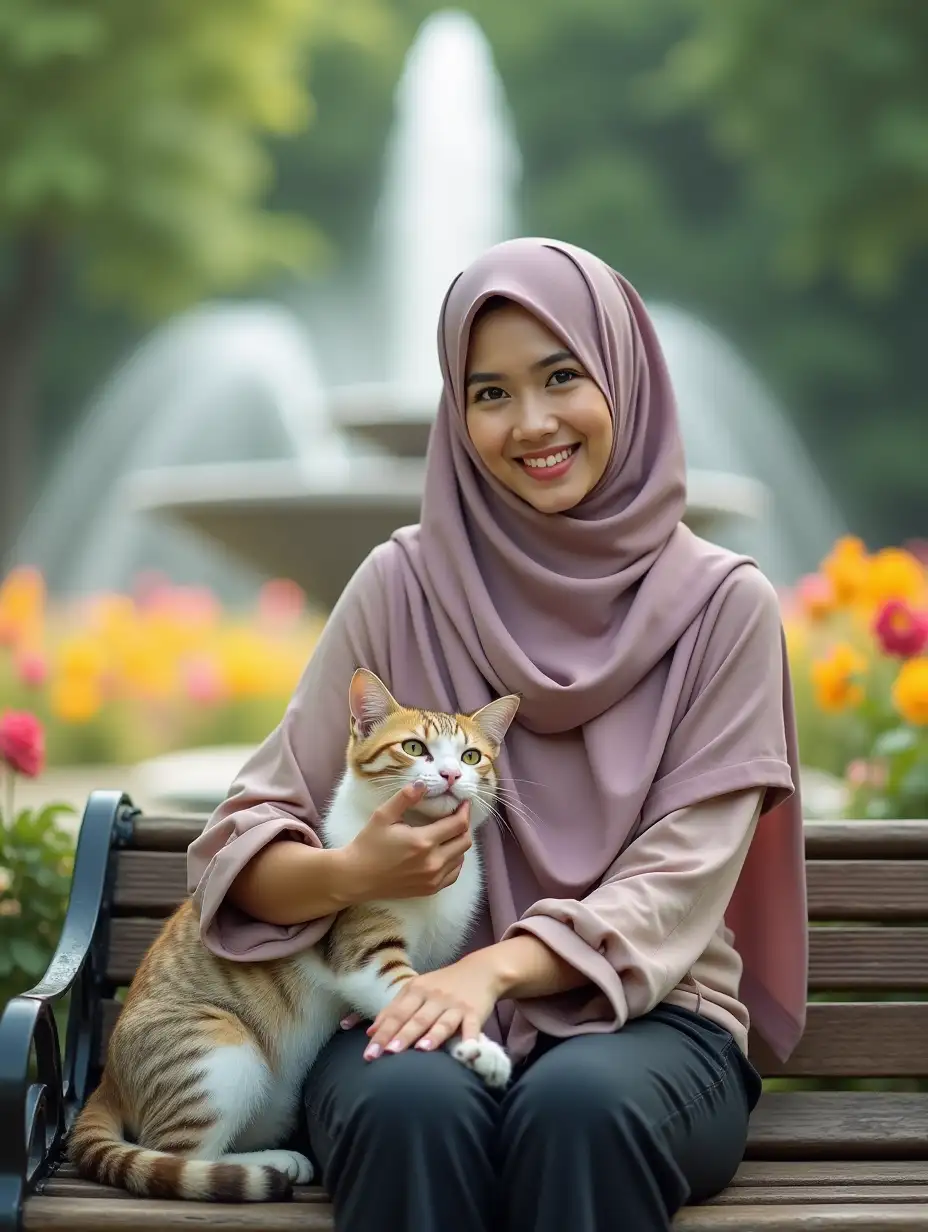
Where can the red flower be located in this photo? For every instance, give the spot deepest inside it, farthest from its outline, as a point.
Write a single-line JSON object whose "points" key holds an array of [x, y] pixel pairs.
{"points": [[22, 742], [901, 630]]}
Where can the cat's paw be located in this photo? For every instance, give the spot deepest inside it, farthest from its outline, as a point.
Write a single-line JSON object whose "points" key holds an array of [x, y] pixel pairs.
{"points": [[292, 1164], [486, 1058]]}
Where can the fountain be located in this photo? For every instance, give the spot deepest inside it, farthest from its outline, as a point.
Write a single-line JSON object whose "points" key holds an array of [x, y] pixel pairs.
{"points": [[218, 455]]}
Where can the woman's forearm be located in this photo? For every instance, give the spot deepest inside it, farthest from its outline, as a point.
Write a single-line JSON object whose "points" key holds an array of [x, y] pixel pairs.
{"points": [[290, 882], [525, 967]]}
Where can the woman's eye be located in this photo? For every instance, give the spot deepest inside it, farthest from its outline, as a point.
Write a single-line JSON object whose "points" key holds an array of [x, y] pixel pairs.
{"points": [[470, 757], [492, 393], [563, 376], [413, 748]]}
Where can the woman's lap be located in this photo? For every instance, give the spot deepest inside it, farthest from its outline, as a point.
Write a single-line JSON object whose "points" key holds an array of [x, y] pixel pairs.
{"points": [[638, 1122]]}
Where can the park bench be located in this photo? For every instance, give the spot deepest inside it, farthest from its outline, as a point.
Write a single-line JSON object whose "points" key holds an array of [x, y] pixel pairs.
{"points": [[821, 1157]]}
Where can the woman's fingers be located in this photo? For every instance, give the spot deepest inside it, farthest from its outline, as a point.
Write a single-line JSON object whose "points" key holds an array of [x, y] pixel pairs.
{"points": [[391, 1037], [441, 1030]]}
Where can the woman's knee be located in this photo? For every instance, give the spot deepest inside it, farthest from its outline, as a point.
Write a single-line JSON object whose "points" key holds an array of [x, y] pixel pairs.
{"points": [[394, 1098], [569, 1089]]}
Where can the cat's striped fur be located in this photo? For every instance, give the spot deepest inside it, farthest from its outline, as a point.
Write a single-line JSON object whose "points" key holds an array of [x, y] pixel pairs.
{"points": [[207, 1059]]}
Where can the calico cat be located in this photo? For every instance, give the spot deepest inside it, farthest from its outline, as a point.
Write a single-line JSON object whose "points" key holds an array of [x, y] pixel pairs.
{"points": [[206, 1062]]}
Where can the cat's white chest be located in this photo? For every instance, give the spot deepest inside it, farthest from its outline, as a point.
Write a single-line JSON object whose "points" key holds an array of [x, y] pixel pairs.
{"points": [[437, 926]]}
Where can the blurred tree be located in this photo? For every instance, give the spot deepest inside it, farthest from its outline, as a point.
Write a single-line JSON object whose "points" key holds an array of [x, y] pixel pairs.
{"points": [[826, 105], [130, 137]]}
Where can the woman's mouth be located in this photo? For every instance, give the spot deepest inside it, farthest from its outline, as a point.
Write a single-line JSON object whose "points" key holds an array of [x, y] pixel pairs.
{"points": [[545, 465]]}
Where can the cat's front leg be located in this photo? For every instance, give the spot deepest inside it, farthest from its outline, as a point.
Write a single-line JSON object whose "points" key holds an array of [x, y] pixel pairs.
{"points": [[367, 957]]}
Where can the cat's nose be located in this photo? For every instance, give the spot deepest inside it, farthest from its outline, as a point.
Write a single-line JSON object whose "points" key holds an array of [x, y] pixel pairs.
{"points": [[450, 775]]}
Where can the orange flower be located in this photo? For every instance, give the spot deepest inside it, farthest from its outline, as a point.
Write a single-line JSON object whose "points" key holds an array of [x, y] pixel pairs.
{"points": [[910, 692], [895, 574], [836, 678], [22, 604], [846, 567]]}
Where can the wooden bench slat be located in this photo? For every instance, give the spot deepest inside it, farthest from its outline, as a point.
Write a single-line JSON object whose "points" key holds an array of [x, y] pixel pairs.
{"points": [[868, 889], [850, 1171], [155, 882], [868, 958], [46, 1214], [814, 1194], [892, 840], [836, 1125], [837, 1217], [751, 1174], [882, 1039], [842, 1040], [839, 958]]}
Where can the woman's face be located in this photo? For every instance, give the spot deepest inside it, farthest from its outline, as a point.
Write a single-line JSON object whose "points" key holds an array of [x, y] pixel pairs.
{"points": [[540, 424]]}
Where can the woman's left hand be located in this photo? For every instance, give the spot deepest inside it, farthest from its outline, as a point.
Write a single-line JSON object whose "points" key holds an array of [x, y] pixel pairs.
{"points": [[433, 1007]]}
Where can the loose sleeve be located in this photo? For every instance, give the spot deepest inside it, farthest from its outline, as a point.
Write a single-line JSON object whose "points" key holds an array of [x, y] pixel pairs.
{"points": [[725, 763], [284, 787], [639, 933]]}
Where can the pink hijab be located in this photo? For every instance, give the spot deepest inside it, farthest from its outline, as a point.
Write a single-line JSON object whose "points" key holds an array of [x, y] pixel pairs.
{"points": [[600, 618]]}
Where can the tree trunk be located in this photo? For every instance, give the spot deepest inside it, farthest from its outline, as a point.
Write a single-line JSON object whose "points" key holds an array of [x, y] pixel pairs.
{"points": [[22, 325]]}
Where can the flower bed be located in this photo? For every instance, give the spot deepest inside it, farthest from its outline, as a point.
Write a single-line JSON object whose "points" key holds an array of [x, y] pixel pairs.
{"points": [[118, 678], [858, 640]]}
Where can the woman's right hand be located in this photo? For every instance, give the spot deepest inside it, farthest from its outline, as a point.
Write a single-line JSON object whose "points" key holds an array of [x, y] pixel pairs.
{"points": [[391, 859]]}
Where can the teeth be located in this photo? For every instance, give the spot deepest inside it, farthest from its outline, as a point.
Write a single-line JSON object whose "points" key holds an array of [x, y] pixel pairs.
{"points": [[551, 460]]}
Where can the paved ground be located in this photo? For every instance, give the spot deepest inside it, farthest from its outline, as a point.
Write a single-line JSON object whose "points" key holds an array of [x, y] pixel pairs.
{"points": [[73, 785]]}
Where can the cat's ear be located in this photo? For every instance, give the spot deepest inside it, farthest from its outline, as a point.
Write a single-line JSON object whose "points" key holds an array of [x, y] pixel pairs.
{"points": [[369, 700], [495, 718]]}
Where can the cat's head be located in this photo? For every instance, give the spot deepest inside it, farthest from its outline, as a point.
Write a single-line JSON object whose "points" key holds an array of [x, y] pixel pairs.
{"points": [[453, 754]]}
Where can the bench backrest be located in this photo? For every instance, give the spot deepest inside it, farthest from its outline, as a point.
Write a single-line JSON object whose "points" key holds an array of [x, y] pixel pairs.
{"points": [[868, 903]]}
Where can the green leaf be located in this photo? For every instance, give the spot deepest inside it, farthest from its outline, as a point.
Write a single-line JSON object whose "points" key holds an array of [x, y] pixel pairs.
{"points": [[891, 743], [27, 956]]}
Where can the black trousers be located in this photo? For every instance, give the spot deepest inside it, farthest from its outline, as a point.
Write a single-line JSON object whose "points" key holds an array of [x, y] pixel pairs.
{"points": [[595, 1133]]}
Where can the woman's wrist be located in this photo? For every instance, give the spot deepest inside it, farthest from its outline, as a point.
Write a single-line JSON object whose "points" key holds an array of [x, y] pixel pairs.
{"points": [[522, 966]]}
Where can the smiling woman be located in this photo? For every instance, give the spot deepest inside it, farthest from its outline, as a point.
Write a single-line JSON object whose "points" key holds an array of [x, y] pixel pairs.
{"points": [[538, 421]]}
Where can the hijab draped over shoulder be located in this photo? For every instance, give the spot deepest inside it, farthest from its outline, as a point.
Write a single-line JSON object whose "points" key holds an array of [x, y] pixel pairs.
{"points": [[651, 663]]}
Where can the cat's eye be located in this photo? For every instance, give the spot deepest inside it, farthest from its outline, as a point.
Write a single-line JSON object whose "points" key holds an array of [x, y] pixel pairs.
{"points": [[470, 757], [413, 748]]}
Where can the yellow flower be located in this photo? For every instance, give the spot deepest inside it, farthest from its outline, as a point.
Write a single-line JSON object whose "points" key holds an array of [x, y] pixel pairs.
{"points": [[847, 567], [895, 574], [75, 699], [6, 878], [81, 657], [910, 692], [836, 678]]}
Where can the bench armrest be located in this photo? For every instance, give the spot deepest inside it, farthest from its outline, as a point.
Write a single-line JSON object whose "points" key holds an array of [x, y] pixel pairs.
{"points": [[39, 1097]]}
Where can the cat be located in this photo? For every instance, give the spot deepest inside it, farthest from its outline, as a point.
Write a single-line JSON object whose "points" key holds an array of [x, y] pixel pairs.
{"points": [[208, 1056]]}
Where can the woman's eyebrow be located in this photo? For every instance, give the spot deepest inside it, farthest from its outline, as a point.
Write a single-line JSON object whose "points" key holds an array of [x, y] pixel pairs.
{"points": [[480, 378]]}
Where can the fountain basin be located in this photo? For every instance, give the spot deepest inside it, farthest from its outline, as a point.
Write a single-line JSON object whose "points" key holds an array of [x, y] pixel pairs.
{"points": [[317, 527]]}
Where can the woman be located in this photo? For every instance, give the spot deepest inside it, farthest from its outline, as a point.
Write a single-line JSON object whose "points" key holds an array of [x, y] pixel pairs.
{"points": [[651, 794]]}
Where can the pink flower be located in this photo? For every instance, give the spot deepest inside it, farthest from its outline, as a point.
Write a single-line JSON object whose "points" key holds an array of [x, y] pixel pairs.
{"points": [[280, 603], [204, 681], [32, 669], [22, 742], [900, 630]]}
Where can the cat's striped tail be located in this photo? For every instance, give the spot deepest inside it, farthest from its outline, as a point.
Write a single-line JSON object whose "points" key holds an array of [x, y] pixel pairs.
{"points": [[98, 1148]]}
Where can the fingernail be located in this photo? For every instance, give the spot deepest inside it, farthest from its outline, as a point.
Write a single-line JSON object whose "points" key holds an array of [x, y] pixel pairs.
{"points": [[372, 1052], [425, 1045], [419, 785], [394, 1045]]}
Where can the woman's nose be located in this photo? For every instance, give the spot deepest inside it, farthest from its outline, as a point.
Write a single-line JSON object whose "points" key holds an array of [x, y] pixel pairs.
{"points": [[534, 420]]}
